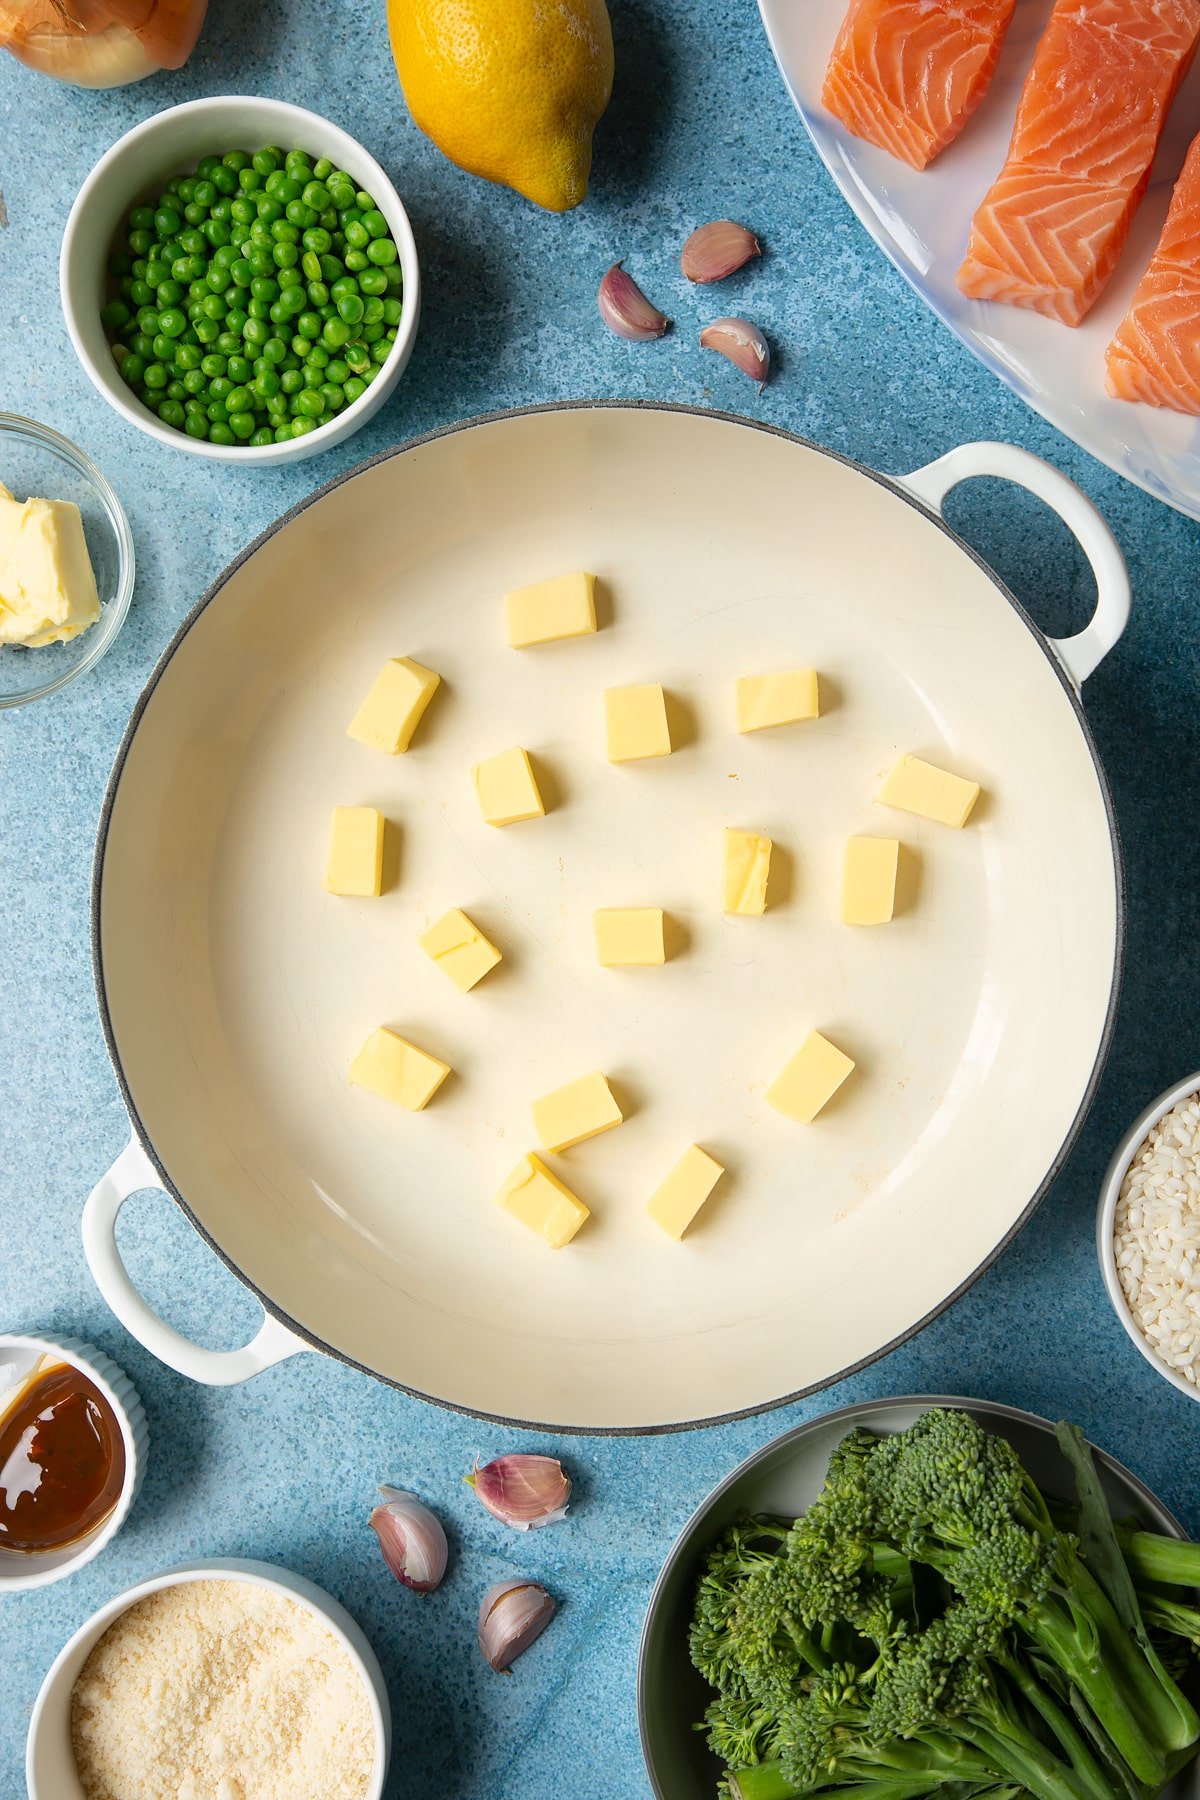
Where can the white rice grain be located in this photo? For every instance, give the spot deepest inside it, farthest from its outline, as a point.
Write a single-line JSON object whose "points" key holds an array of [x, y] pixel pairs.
{"points": [[1156, 1239]]}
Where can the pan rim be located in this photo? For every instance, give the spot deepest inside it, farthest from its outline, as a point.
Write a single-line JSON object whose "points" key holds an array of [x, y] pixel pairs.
{"points": [[893, 486]]}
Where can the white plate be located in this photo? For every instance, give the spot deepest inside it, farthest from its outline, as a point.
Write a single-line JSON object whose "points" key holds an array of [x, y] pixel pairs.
{"points": [[237, 991], [921, 219]]}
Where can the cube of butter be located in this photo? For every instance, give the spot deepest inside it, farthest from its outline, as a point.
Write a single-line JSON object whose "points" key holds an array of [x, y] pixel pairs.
{"points": [[630, 936], [48, 589], [675, 1203], [394, 705], [582, 1109], [635, 720], [459, 948], [355, 863], [397, 1070], [507, 789], [920, 787], [869, 880], [810, 1080], [747, 871], [542, 1202], [564, 607], [784, 699]]}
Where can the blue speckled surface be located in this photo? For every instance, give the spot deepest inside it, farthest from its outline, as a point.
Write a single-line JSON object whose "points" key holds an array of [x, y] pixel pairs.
{"points": [[284, 1467]]}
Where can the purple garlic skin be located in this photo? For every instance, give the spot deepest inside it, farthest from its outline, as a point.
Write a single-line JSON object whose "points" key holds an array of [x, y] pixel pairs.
{"points": [[412, 1540], [523, 1490], [511, 1615], [743, 344], [717, 250], [626, 310]]}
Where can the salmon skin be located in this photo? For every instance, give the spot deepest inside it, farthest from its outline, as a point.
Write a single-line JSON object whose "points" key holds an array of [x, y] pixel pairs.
{"points": [[1155, 355], [908, 74], [1053, 224]]}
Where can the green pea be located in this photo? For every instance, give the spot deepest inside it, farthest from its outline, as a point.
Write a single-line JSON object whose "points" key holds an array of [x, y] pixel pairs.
{"points": [[187, 356], [354, 389], [300, 217], [288, 188], [258, 309], [395, 276], [373, 281], [263, 436], [289, 278], [357, 261], [239, 235], [156, 375], [369, 373], [213, 364], [196, 381], [193, 243], [309, 404], [224, 179], [286, 256], [283, 433], [133, 368], [266, 385], [229, 343], [220, 387], [221, 210], [327, 312], [318, 294], [220, 434], [141, 293], [194, 215], [249, 180], [278, 407], [371, 334], [260, 259], [263, 288], [255, 331], [350, 309], [322, 169], [315, 364], [333, 396], [196, 425], [358, 357], [217, 233], [147, 318], [382, 251], [284, 232], [170, 292], [114, 315], [381, 351], [291, 381], [189, 268], [217, 412], [214, 307], [337, 369], [239, 399], [163, 347], [265, 162], [270, 210], [336, 333], [239, 370], [310, 263], [172, 323], [157, 271], [207, 330], [243, 212], [142, 218], [219, 279], [308, 325], [329, 220], [166, 221], [139, 343], [274, 350], [241, 272], [357, 235], [318, 240], [375, 222], [392, 310], [172, 413], [236, 160], [341, 191], [279, 314]]}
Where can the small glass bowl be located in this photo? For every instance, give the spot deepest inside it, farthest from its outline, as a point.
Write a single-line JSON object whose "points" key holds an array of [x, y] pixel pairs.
{"points": [[34, 460]]}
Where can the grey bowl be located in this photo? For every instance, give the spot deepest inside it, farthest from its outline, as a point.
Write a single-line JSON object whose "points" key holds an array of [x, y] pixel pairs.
{"points": [[784, 1478]]}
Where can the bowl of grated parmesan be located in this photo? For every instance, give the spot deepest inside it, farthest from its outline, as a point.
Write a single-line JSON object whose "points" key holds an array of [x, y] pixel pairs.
{"points": [[1148, 1234], [227, 1680]]}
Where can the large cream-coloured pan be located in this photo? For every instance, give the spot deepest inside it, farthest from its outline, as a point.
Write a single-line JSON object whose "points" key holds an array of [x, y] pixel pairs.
{"points": [[235, 991]]}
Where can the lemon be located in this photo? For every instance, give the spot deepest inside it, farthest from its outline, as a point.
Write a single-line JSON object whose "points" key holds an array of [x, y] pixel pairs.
{"points": [[508, 89]]}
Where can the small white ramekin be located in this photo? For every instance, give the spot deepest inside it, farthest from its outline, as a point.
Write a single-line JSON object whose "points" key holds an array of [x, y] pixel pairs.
{"points": [[169, 144], [19, 1354], [1110, 1192], [50, 1772]]}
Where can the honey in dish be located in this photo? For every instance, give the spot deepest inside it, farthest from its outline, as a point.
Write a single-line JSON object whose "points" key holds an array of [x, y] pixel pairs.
{"points": [[62, 1461]]}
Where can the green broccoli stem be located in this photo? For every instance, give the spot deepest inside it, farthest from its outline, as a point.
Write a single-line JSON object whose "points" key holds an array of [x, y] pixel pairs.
{"points": [[944, 1767], [1037, 1696], [1152, 1557], [1162, 1613]]}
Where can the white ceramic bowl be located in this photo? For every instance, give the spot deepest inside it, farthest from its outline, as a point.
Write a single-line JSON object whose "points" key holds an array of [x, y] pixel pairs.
{"points": [[171, 143], [19, 1355], [1106, 1213], [50, 1772]]}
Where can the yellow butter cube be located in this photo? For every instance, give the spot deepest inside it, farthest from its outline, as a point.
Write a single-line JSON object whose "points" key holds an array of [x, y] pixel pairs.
{"points": [[810, 1079], [355, 863], [784, 699], [394, 705], [459, 948], [564, 607], [396, 1070], [542, 1202], [869, 880], [582, 1109], [635, 720], [48, 589], [747, 871], [507, 789], [920, 787], [675, 1203], [630, 936]]}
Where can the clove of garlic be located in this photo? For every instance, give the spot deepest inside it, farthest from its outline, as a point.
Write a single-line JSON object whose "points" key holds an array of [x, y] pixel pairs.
{"points": [[626, 310], [743, 344], [523, 1490], [412, 1540], [511, 1615], [715, 251]]}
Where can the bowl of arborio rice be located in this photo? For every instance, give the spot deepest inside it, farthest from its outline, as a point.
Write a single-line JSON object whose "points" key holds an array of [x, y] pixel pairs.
{"points": [[223, 1678], [1148, 1234]]}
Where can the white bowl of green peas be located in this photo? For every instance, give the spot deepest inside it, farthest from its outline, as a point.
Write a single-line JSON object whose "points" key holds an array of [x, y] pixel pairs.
{"points": [[240, 281]]}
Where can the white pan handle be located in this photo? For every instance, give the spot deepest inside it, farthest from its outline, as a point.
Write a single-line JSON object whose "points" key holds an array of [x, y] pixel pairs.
{"points": [[132, 1172], [1082, 654]]}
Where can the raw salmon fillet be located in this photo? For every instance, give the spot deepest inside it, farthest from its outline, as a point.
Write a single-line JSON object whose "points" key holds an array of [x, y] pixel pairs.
{"points": [[908, 74], [1050, 230], [1155, 355]]}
